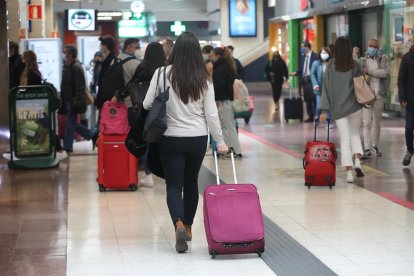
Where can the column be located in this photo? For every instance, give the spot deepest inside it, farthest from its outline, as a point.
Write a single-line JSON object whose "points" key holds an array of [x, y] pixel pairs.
{"points": [[38, 29], [4, 73], [13, 18], [293, 27], [319, 33]]}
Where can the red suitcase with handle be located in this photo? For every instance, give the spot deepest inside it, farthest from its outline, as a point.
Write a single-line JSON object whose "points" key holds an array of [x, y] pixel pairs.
{"points": [[233, 218], [320, 162], [117, 168]]}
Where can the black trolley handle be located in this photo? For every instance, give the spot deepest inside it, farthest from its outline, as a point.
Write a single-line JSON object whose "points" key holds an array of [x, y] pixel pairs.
{"points": [[315, 123]]}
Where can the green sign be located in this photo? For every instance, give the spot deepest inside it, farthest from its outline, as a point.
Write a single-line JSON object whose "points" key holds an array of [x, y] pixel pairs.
{"points": [[178, 28]]}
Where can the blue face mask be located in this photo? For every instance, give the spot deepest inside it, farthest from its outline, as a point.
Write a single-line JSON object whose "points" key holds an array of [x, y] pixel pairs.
{"points": [[372, 51], [302, 50]]}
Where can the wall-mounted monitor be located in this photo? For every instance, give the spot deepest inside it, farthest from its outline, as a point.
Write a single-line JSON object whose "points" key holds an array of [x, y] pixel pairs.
{"points": [[81, 19], [242, 18]]}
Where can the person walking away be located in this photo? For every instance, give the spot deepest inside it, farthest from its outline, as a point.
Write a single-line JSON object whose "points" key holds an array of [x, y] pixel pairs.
{"points": [[107, 48], [73, 84], [16, 65], [276, 72], [406, 95], [306, 60], [338, 97], [224, 73], [376, 68], [317, 71], [190, 111], [154, 58], [239, 66]]}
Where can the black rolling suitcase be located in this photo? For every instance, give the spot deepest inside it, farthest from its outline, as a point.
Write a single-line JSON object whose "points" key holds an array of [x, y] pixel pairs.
{"points": [[293, 107]]}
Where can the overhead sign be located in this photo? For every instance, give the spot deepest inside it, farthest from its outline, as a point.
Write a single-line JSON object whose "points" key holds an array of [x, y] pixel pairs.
{"points": [[178, 28], [81, 20], [34, 12]]}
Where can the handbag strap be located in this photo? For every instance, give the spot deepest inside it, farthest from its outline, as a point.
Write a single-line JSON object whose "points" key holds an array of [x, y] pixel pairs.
{"points": [[158, 77]]}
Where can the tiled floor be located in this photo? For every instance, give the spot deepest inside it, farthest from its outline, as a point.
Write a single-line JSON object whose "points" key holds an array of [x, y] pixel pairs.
{"points": [[56, 220]]}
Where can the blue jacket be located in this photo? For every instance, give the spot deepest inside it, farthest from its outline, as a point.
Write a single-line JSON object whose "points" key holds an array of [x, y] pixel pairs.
{"points": [[317, 76]]}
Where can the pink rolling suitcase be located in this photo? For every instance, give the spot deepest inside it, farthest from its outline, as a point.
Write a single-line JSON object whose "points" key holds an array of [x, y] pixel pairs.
{"points": [[233, 218]]}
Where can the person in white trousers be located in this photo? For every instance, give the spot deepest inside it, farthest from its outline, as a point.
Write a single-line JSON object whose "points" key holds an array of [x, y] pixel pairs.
{"points": [[376, 68], [338, 98]]}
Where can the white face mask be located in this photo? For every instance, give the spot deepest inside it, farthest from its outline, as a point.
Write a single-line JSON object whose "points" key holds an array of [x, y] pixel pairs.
{"points": [[324, 56]]}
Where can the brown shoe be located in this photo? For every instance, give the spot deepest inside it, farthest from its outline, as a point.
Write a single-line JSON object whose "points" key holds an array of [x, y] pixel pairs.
{"points": [[188, 234], [180, 237]]}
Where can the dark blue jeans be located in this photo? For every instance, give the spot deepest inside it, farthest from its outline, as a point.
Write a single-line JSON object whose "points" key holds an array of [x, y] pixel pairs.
{"points": [[73, 126], [181, 159], [409, 128]]}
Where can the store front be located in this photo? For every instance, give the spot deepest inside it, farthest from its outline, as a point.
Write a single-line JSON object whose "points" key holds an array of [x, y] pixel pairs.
{"points": [[400, 37]]}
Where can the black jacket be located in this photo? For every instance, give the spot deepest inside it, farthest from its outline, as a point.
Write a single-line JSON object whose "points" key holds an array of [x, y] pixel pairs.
{"points": [[35, 78], [406, 79], [223, 79], [278, 68], [240, 69], [16, 67], [73, 81], [106, 63]]}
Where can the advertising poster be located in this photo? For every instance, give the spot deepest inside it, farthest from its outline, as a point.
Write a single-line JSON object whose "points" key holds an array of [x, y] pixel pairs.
{"points": [[49, 58], [32, 127], [242, 16]]}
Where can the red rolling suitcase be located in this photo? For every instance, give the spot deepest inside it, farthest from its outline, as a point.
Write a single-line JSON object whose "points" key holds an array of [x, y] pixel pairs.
{"points": [[233, 218], [319, 162], [117, 168]]}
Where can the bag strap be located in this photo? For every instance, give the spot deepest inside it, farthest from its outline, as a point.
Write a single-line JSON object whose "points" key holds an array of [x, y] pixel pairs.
{"points": [[158, 78]]}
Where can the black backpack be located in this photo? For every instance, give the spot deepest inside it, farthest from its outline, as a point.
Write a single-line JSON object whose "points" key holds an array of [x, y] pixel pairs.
{"points": [[112, 81]]}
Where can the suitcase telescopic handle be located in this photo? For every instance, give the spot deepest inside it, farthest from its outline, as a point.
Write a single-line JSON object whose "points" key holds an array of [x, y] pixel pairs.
{"points": [[232, 164], [315, 124]]}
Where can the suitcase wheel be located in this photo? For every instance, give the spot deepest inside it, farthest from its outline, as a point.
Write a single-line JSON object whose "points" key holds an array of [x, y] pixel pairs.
{"points": [[308, 185], [133, 187], [246, 120], [213, 254], [101, 188], [259, 252]]}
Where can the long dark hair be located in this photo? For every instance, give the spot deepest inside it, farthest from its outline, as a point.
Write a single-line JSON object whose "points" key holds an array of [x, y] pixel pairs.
{"points": [[188, 74], [225, 53], [343, 55], [154, 57]]}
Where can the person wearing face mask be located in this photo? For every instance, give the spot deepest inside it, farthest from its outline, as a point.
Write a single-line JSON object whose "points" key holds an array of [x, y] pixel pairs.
{"points": [[377, 69], [406, 95], [317, 72], [276, 73], [306, 61]]}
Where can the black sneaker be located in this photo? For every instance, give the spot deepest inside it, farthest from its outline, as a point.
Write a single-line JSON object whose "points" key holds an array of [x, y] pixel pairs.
{"points": [[407, 158], [359, 172], [367, 154], [376, 152]]}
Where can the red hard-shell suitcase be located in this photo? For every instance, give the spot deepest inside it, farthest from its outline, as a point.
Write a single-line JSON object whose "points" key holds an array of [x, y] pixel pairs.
{"points": [[319, 162], [233, 218], [117, 168], [62, 125]]}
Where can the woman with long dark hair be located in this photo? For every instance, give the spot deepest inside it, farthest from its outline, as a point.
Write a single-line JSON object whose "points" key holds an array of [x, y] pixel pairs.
{"points": [[154, 58], [339, 98], [190, 110], [276, 72], [224, 74]]}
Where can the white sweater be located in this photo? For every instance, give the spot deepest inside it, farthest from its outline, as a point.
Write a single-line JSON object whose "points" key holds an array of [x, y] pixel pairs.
{"points": [[187, 120]]}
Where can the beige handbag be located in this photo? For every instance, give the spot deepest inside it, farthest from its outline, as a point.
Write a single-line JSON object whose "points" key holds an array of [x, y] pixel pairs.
{"points": [[363, 92], [89, 97]]}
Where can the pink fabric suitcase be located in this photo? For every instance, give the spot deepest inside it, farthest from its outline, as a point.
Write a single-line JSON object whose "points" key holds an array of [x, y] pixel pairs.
{"points": [[233, 218]]}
